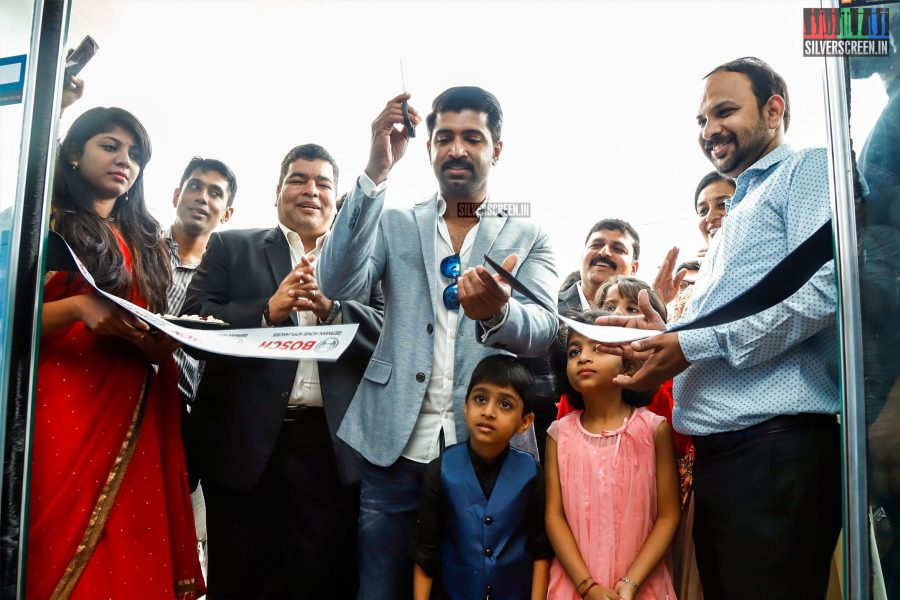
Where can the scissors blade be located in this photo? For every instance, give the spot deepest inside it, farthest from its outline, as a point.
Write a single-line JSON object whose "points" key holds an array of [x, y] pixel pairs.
{"points": [[516, 284]]}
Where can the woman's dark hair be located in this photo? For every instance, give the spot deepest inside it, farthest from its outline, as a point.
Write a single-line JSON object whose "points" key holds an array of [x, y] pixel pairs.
{"points": [[76, 220], [709, 179], [559, 359], [505, 370], [629, 288]]}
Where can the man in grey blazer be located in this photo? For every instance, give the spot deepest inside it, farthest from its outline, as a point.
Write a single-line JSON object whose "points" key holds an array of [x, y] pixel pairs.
{"points": [[443, 311]]}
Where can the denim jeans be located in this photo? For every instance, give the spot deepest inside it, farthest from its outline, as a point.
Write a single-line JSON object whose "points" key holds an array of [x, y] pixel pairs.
{"points": [[389, 505]]}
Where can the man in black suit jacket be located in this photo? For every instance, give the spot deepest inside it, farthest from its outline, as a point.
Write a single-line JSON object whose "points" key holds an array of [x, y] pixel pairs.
{"points": [[281, 488]]}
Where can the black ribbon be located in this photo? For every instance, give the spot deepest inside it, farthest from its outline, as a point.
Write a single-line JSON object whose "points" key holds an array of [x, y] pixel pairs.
{"points": [[778, 285]]}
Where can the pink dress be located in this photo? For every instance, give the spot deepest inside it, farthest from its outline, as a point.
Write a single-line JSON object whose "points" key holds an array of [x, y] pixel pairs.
{"points": [[608, 485]]}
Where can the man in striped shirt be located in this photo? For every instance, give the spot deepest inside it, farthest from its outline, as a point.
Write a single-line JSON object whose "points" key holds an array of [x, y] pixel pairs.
{"points": [[202, 201]]}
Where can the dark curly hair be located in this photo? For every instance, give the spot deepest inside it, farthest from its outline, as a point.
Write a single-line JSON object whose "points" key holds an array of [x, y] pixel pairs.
{"points": [[560, 357]]}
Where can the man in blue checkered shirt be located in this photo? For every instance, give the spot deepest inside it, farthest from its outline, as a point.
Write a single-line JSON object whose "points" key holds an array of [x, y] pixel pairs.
{"points": [[759, 394]]}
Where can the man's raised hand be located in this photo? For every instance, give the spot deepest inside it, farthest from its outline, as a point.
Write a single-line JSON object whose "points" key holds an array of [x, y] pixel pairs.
{"points": [[389, 143]]}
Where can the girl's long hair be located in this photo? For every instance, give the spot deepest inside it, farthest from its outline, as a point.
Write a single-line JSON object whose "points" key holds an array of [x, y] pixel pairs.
{"points": [[74, 217]]}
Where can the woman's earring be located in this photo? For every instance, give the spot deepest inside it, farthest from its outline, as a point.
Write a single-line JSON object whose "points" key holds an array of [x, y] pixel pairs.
{"points": [[126, 196], [75, 164]]}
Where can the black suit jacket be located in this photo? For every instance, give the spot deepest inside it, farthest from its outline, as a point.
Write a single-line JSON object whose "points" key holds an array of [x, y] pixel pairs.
{"points": [[569, 299], [240, 404]]}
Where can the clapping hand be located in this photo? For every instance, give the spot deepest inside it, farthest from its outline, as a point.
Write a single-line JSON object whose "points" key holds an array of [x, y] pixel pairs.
{"points": [[667, 283], [299, 291]]}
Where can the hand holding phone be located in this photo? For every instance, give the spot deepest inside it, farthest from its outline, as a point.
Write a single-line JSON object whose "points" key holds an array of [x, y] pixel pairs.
{"points": [[76, 61]]}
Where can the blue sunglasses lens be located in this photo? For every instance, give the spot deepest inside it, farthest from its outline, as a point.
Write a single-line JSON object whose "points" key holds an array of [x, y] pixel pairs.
{"points": [[450, 266], [451, 297]]}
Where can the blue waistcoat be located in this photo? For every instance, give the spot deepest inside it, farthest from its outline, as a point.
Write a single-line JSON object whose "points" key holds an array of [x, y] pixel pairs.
{"points": [[483, 553]]}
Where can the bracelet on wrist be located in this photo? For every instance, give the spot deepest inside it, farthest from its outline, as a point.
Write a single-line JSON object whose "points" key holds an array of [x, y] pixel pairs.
{"points": [[583, 581], [267, 317], [587, 589], [332, 314], [629, 581]]}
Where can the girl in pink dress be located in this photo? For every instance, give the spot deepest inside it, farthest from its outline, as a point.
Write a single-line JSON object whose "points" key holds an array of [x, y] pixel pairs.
{"points": [[612, 484]]}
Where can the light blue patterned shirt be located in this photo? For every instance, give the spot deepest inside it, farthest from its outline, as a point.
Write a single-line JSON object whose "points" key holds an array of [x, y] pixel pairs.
{"points": [[783, 360]]}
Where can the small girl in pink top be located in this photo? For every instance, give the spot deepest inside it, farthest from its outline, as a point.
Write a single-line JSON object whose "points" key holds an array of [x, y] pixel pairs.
{"points": [[612, 485]]}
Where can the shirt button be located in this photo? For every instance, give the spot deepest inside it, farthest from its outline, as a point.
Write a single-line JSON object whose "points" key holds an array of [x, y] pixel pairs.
{"points": [[429, 328], [449, 376], [420, 377], [488, 520], [488, 552], [285, 395]]}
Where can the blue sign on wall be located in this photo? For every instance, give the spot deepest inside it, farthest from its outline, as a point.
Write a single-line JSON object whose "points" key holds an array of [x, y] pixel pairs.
{"points": [[12, 79]]}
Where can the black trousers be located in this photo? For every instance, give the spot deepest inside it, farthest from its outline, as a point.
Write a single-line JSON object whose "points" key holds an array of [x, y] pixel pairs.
{"points": [[768, 509], [292, 536]]}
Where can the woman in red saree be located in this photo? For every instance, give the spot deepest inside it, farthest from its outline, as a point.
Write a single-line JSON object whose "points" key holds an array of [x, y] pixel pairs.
{"points": [[109, 506]]}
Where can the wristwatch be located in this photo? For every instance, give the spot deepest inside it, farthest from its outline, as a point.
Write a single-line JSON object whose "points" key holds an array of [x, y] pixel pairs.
{"points": [[335, 309], [494, 320]]}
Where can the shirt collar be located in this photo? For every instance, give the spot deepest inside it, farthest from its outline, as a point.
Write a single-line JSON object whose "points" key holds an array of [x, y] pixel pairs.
{"points": [[172, 245], [320, 241], [585, 303], [775, 156], [782, 152], [442, 206], [480, 464]]}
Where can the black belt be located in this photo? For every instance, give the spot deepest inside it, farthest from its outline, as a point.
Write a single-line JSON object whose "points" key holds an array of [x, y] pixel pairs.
{"points": [[295, 414], [716, 442]]}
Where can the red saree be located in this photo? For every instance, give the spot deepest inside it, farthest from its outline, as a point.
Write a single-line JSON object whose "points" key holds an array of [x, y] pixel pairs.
{"points": [[110, 513]]}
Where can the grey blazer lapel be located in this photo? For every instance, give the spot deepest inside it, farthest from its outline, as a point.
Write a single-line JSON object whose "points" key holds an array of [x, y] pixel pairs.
{"points": [[426, 222], [488, 230], [278, 255]]}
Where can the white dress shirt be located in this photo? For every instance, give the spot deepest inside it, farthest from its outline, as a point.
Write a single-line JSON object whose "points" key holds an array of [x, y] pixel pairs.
{"points": [[585, 304], [307, 390], [437, 414]]}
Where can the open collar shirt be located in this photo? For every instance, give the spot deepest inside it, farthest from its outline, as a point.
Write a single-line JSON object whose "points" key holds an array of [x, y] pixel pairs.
{"points": [[783, 360]]}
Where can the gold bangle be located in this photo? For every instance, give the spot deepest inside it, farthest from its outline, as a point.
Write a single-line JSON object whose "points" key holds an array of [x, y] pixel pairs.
{"points": [[583, 581], [587, 589]]}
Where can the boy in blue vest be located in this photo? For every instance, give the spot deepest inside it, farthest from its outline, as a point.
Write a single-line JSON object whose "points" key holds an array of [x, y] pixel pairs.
{"points": [[480, 533]]}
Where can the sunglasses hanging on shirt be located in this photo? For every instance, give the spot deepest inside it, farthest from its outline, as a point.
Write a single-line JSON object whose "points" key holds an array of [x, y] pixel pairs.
{"points": [[450, 268]]}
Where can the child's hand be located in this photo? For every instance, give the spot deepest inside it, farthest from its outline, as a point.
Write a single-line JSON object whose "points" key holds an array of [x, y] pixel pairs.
{"points": [[625, 590], [598, 592]]}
